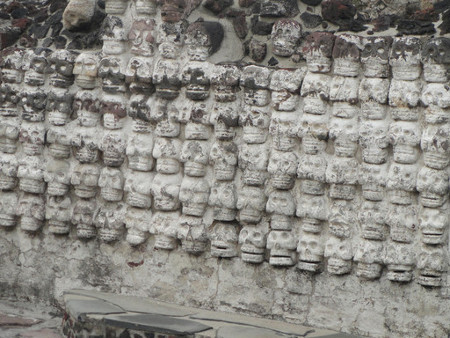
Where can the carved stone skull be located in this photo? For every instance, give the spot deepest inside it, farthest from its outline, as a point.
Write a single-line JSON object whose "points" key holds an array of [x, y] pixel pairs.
{"points": [[401, 182], [372, 217], [434, 145], [253, 239], [435, 59], [62, 64], [31, 176], [375, 56], [256, 81], [139, 152], [138, 186], [282, 245], [142, 37], [433, 225], [85, 180], [36, 66], [223, 199], [167, 79], [146, 7], [224, 158], [112, 72], [192, 233], [282, 168], [400, 260], [284, 132], [369, 259], [374, 141], [194, 194], [405, 58], [405, 137], [111, 182], [113, 109], [255, 124], [115, 6], [225, 82], [31, 210], [8, 203], [433, 186], [339, 253], [9, 100], [11, 65], [194, 155], [58, 142], [58, 213], [59, 106], [171, 39], [164, 226], [431, 263], [224, 239], [109, 221], [8, 172], [85, 145], [342, 218], [86, 107], [165, 190], [166, 116], [317, 51], [311, 250], [9, 134], [403, 222], [203, 38], [285, 86], [225, 118], [114, 37], [167, 154], [83, 218], [33, 103], [57, 175], [251, 204], [139, 74], [346, 52], [137, 222], [253, 160], [286, 36], [113, 146], [85, 70]]}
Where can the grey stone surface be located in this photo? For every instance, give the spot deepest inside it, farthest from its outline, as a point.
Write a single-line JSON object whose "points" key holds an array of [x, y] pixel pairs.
{"points": [[247, 332], [79, 308], [155, 323]]}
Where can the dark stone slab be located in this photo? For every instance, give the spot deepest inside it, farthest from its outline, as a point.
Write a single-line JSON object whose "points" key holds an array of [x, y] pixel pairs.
{"points": [[81, 307], [155, 323], [311, 20]]}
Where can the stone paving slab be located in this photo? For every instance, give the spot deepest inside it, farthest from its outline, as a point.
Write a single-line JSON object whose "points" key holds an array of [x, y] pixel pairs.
{"points": [[8, 320], [155, 316], [156, 323], [136, 304]]}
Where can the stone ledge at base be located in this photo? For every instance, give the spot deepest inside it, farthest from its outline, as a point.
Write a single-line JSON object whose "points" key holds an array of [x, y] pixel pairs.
{"points": [[93, 314]]}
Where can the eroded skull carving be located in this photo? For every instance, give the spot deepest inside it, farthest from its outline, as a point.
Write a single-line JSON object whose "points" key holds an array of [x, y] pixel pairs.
{"points": [[281, 207], [400, 260], [339, 253], [316, 91], [434, 144], [433, 224], [401, 182], [85, 146], [8, 203], [224, 158], [284, 132], [8, 173], [111, 182], [225, 118], [113, 109], [286, 36], [203, 38], [85, 179], [146, 7], [83, 218], [342, 218], [138, 186], [109, 221], [9, 134], [139, 152], [86, 107], [36, 66], [167, 79], [139, 74], [142, 37], [59, 106], [375, 56], [11, 65], [369, 259], [225, 82], [405, 138], [194, 194], [197, 80], [255, 124], [313, 210], [194, 155], [165, 190], [114, 37], [403, 222], [405, 58], [167, 119], [224, 239], [115, 6], [57, 175], [374, 141], [58, 213], [435, 59], [113, 146], [192, 233], [251, 203], [139, 109], [33, 103], [373, 180], [285, 86], [342, 173], [85, 70], [433, 186], [31, 176], [223, 199], [372, 217], [317, 51], [137, 222], [167, 154], [431, 263], [164, 225], [58, 141], [282, 168], [253, 160], [9, 100], [256, 80], [253, 239], [171, 39], [346, 52], [311, 251], [62, 63], [31, 210], [112, 72]]}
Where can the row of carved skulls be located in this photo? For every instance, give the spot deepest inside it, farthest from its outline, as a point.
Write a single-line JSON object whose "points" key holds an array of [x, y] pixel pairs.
{"points": [[285, 247]]}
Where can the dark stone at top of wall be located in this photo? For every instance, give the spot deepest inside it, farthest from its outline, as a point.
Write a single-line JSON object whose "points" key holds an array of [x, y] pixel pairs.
{"points": [[311, 2], [311, 20], [261, 27], [411, 27], [217, 6]]}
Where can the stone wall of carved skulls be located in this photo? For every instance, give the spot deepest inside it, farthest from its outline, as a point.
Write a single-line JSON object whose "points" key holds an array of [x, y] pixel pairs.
{"points": [[337, 167]]}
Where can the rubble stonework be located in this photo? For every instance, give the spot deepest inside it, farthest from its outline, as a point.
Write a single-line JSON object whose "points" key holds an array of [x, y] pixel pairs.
{"points": [[325, 163]]}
